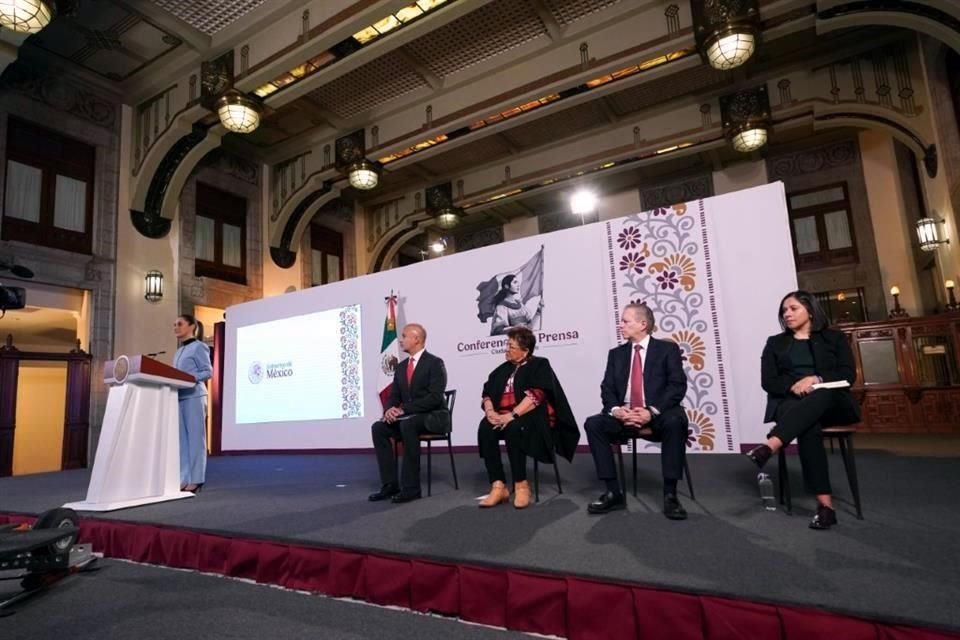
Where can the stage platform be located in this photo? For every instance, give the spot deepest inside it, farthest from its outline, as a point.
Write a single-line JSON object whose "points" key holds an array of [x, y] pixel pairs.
{"points": [[895, 567]]}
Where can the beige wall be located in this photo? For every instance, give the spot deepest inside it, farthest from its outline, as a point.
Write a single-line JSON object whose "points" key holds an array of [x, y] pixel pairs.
{"points": [[520, 228], [617, 205], [940, 203], [742, 175], [141, 326], [889, 216], [41, 406]]}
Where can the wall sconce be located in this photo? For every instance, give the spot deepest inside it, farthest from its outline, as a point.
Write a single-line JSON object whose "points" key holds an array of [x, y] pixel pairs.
{"points": [[153, 286], [726, 31], [952, 300], [746, 118], [928, 234], [439, 246], [898, 311]]}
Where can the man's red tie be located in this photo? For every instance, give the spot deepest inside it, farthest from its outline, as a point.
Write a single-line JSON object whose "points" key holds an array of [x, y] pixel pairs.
{"points": [[410, 365], [636, 379]]}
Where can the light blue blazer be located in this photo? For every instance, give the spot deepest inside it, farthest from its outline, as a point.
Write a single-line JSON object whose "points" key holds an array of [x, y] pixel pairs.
{"points": [[193, 357]]}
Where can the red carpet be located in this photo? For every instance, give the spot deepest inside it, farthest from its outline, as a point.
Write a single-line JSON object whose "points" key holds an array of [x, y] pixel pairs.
{"points": [[558, 605]]}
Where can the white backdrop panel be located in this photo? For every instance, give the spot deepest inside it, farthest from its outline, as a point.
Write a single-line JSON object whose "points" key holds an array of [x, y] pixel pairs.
{"points": [[751, 261]]}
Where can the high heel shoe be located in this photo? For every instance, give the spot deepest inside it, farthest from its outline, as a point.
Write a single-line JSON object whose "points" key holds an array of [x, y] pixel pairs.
{"points": [[197, 488]]}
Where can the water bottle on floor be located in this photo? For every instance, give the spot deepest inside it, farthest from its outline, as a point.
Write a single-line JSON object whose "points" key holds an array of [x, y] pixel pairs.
{"points": [[765, 483]]}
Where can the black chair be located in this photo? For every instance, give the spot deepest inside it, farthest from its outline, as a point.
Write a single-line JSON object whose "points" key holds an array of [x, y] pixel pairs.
{"points": [[646, 434], [844, 437], [536, 478], [450, 399]]}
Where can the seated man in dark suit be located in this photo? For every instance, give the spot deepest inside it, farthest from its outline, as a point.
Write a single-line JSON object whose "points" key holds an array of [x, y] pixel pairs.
{"points": [[416, 406], [643, 386]]}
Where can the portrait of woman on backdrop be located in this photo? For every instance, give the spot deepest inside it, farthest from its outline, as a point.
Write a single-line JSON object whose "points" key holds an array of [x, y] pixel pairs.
{"points": [[511, 310]]}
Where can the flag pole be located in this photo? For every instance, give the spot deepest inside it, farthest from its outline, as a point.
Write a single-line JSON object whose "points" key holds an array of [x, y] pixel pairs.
{"points": [[543, 259]]}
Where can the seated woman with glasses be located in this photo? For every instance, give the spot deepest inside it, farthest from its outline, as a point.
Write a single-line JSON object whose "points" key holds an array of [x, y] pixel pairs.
{"points": [[524, 405]]}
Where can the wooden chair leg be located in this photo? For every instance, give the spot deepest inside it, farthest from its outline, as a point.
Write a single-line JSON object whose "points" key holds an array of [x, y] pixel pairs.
{"points": [[623, 478], [850, 466], [453, 463], [429, 468], [784, 474], [686, 471]]}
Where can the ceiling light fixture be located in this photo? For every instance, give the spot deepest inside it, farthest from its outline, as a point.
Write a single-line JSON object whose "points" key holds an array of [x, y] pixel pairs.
{"points": [[363, 175], [26, 16], [238, 113], [726, 31], [750, 140], [746, 118]]}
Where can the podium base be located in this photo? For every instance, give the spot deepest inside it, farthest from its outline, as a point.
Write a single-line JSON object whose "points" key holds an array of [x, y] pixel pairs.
{"points": [[126, 504]]}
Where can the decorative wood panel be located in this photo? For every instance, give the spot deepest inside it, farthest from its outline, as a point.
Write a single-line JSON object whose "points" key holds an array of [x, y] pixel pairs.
{"points": [[76, 402], [8, 412], [76, 427], [913, 404]]}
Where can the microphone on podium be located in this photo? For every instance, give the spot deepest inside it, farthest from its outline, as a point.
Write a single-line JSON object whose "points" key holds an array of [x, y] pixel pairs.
{"points": [[155, 354]]}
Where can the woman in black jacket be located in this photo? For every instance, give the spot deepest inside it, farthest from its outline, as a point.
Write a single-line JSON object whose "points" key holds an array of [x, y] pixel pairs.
{"points": [[806, 353], [523, 404]]}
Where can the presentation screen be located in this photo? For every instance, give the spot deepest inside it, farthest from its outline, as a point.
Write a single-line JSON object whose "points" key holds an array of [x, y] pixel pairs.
{"points": [[306, 367]]}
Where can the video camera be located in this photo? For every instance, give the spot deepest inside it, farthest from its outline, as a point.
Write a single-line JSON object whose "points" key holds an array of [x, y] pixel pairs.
{"points": [[13, 297]]}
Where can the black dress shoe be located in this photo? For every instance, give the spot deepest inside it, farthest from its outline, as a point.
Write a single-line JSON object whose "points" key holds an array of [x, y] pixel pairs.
{"points": [[673, 509], [824, 518], [760, 455], [406, 496], [386, 492], [606, 503]]}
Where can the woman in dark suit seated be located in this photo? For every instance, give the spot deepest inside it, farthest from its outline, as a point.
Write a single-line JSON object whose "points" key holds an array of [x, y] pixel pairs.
{"points": [[525, 406], [806, 353]]}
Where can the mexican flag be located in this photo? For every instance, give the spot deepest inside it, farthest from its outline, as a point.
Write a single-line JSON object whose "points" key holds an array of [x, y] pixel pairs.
{"points": [[389, 351]]}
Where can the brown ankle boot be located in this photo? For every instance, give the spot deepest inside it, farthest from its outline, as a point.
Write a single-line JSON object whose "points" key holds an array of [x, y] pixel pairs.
{"points": [[521, 497], [498, 493]]}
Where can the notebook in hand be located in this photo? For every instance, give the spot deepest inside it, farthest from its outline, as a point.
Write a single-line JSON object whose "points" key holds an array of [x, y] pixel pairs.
{"points": [[836, 384]]}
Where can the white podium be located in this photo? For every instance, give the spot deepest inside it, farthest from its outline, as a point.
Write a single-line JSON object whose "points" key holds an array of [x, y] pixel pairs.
{"points": [[138, 456]]}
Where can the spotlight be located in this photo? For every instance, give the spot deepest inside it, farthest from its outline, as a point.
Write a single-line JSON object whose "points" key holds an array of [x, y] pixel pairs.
{"points": [[583, 202], [439, 246]]}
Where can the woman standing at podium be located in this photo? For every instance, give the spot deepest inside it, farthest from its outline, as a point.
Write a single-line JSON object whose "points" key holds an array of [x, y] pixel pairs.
{"points": [[192, 357]]}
